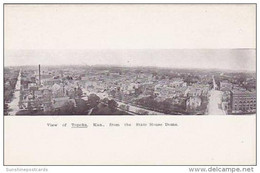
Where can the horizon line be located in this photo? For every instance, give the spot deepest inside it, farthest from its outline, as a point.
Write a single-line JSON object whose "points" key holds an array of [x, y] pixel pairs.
{"points": [[124, 66]]}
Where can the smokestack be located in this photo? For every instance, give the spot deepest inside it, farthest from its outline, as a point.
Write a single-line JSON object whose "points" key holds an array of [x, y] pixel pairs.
{"points": [[39, 75]]}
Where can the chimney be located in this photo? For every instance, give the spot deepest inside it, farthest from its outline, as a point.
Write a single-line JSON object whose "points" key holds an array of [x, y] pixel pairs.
{"points": [[39, 75]]}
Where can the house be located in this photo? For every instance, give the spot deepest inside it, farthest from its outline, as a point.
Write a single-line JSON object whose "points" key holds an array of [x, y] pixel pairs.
{"points": [[61, 101], [177, 83], [50, 81], [226, 86], [57, 90], [193, 102]]}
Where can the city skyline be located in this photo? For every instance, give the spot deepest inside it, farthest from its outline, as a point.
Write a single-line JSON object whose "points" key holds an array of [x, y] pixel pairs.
{"points": [[123, 91]]}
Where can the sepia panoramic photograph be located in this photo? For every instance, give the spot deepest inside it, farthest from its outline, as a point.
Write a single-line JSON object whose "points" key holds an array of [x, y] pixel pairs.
{"points": [[143, 82], [94, 71]]}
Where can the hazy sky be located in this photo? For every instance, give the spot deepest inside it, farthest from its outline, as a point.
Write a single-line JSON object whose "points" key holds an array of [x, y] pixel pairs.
{"points": [[232, 59], [148, 28]]}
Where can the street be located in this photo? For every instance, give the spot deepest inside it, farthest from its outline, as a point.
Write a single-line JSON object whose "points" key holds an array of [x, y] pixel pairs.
{"points": [[14, 104], [214, 106]]}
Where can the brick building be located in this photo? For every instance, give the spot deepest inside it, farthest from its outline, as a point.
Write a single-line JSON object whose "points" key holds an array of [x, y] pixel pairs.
{"points": [[243, 102]]}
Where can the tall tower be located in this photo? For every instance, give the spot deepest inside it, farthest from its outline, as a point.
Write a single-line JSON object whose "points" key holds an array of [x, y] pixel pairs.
{"points": [[39, 75]]}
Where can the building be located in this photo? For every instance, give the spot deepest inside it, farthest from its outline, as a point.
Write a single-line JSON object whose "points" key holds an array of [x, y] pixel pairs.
{"points": [[59, 102], [177, 83], [226, 86], [192, 92], [193, 103], [50, 81], [243, 102], [148, 89], [57, 90]]}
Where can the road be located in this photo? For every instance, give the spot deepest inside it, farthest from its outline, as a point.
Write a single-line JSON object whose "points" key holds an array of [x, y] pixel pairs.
{"points": [[214, 106], [136, 109], [14, 104], [215, 86]]}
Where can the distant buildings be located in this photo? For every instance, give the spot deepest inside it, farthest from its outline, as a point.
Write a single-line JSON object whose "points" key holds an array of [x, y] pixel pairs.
{"points": [[56, 88], [226, 86], [177, 83]]}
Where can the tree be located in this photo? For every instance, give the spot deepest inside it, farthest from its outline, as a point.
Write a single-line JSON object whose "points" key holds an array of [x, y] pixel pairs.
{"points": [[93, 100], [112, 104], [38, 104], [163, 77], [79, 92], [113, 93], [142, 112], [166, 105], [105, 100], [124, 107], [67, 109], [82, 107]]}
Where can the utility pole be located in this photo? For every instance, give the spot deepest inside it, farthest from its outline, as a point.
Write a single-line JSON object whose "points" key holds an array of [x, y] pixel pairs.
{"points": [[39, 75]]}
